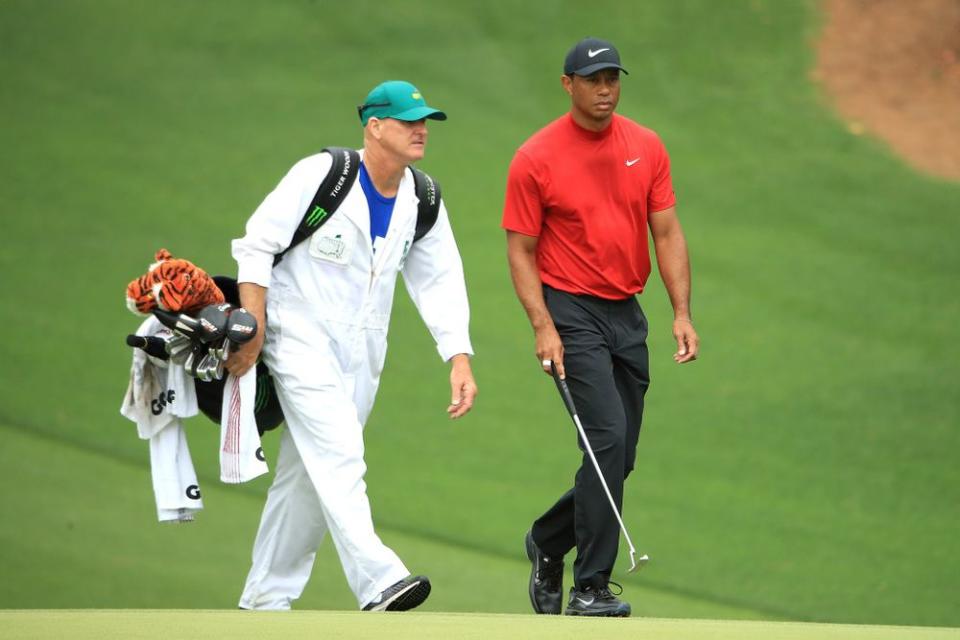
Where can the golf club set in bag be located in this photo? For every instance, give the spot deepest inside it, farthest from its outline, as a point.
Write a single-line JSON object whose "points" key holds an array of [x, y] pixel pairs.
{"points": [[201, 343]]}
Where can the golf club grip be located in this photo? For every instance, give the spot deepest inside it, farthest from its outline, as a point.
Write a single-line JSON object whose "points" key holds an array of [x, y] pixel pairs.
{"points": [[564, 390], [136, 341], [153, 345]]}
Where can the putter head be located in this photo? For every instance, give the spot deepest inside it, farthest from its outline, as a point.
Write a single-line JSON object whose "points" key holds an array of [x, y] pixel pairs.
{"points": [[637, 563]]}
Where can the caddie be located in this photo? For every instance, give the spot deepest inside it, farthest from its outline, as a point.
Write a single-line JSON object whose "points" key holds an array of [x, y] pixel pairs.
{"points": [[326, 308]]}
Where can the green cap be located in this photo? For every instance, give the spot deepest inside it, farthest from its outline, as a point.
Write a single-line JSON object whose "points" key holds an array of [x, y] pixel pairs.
{"points": [[399, 100]]}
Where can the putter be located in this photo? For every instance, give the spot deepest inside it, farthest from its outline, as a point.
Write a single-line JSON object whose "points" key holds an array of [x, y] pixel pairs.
{"points": [[635, 562]]}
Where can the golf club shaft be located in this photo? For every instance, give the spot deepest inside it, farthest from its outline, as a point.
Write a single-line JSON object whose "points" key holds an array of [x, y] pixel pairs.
{"points": [[572, 409], [596, 465]]}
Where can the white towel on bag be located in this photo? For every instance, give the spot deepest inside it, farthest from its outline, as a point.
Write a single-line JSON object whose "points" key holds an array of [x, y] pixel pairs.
{"points": [[241, 456], [158, 396], [141, 402], [157, 392], [175, 485]]}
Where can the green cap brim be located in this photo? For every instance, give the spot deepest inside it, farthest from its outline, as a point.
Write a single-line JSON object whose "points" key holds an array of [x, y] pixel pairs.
{"points": [[419, 113]]}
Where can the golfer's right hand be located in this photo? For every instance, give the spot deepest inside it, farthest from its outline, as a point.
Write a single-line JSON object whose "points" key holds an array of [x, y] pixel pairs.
{"points": [[245, 356], [550, 350]]}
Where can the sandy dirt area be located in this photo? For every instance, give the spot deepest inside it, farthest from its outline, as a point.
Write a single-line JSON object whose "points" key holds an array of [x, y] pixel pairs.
{"points": [[892, 69]]}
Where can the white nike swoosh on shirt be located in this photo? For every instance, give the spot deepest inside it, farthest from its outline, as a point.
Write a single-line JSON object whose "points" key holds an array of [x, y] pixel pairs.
{"points": [[630, 163], [592, 53]]}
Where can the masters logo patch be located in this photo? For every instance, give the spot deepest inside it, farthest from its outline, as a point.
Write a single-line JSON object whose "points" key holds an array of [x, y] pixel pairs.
{"points": [[332, 248]]}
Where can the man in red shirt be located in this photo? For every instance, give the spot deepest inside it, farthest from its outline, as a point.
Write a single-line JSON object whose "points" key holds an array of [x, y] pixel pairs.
{"points": [[581, 194]]}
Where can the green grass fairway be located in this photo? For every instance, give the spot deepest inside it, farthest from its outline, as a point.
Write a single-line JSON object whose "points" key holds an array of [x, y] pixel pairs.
{"points": [[150, 625], [806, 468], [81, 552]]}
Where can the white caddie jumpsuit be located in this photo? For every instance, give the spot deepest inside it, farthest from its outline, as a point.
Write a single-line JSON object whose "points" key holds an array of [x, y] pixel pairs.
{"points": [[328, 309]]}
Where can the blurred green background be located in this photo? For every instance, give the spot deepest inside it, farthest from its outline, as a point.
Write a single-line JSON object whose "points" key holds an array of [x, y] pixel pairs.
{"points": [[805, 468]]}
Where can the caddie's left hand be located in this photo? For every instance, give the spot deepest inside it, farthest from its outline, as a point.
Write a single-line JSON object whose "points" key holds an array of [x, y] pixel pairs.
{"points": [[687, 341], [462, 386]]}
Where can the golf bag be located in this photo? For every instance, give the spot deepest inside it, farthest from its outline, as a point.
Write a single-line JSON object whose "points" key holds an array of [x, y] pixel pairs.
{"points": [[266, 409]]}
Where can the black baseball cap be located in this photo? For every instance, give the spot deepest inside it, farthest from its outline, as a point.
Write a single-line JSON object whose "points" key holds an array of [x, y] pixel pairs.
{"points": [[590, 55]]}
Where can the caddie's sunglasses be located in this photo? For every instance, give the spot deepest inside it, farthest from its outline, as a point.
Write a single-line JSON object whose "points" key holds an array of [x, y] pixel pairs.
{"points": [[364, 107]]}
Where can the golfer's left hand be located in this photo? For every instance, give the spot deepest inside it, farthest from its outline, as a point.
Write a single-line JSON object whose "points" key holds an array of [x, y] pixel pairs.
{"points": [[687, 341], [462, 386]]}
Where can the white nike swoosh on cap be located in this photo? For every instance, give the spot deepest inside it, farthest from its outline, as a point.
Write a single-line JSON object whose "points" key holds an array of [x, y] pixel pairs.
{"points": [[592, 53]]}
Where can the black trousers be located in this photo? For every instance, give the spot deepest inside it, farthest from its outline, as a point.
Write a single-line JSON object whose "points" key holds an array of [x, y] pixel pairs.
{"points": [[607, 370]]}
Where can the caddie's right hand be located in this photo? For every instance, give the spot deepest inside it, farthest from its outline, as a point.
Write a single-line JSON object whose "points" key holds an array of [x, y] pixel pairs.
{"points": [[253, 298], [550, 349], [243, 357]]}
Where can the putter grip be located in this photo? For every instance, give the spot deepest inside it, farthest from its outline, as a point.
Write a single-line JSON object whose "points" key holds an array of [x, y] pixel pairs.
{"points": [[564, 390]]}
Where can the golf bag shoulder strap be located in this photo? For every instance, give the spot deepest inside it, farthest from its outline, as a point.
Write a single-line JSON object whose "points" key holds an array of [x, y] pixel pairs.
{"points": [[343, 172], [338, 181], [428, 192]]}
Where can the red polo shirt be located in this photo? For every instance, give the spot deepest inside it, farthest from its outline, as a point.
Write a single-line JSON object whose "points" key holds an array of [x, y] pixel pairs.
{"points": [[586, 195]]}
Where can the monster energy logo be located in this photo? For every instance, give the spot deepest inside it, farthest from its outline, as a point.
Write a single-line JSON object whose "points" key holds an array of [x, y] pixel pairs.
{"points": [[316, 216]]}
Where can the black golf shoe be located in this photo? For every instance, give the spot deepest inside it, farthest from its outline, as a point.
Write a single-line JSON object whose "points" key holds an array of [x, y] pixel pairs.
{"points": [[600, 602], [401, 596], [546, 579]]}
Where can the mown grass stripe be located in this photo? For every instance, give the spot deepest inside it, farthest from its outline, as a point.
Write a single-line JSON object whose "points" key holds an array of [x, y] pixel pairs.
{"points": [[147, 625]]}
